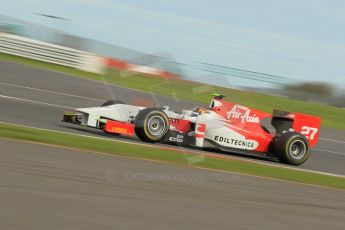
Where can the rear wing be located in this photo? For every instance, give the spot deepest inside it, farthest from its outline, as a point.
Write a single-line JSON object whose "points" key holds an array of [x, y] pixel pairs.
{"points": [[307, 125]]}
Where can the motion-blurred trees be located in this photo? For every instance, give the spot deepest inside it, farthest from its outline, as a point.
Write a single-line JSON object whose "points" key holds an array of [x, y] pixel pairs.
{"points": [[312, 87]]}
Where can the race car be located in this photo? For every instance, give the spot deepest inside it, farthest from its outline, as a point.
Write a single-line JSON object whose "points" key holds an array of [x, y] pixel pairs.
{"points": [[224, 125]]}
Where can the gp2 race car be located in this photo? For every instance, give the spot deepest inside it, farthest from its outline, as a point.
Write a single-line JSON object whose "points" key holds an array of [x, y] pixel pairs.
{"points": [[226, 126]]}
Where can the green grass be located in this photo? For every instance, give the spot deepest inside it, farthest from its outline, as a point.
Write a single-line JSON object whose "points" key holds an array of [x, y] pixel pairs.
{"points": [[332, 117], [156, 153]]}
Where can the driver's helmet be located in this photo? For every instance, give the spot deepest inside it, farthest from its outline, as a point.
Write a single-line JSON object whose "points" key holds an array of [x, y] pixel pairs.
{"points": [[200, 110]]}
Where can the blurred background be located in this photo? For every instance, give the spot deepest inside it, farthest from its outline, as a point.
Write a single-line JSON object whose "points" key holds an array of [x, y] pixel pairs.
{"points": [[292, 49]]}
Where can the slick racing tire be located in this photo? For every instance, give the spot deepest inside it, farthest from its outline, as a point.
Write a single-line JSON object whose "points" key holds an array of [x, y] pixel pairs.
{"points": [[112, 102], [292, 148], [151, 125]]}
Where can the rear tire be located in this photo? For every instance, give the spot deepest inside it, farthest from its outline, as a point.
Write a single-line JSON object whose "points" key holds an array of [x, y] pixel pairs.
{"points": [[151, 125], [292, 148], [112, 102]]}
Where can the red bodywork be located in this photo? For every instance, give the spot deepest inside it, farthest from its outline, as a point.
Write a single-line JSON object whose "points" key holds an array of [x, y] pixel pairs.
{"points": [[248, 122]]}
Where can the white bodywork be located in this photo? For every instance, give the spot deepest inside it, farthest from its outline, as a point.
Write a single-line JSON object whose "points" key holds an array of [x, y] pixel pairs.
{"points": [[126, 113], [118, 112]]}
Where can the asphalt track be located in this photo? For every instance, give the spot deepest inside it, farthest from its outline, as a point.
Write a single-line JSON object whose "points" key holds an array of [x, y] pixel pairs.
{"points": [[37, 97], [45, 187]]}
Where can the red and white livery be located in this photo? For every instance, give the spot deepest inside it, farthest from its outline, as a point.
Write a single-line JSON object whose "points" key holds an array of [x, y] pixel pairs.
{"points": [[225, 125]]}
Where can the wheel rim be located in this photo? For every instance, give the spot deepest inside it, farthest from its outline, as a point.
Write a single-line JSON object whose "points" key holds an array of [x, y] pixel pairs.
{"points": [[156, 125], [297, 149]]}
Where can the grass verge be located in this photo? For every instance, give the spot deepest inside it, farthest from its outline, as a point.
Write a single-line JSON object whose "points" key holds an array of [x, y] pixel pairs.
{"points": [[145, 152], [332, 117]]}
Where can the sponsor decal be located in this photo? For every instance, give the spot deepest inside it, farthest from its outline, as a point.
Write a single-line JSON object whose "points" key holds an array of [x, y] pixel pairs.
{"points": [[243, 144], [174, 121], [243, 114], [201, 128], [119, 130], [178, 138]]}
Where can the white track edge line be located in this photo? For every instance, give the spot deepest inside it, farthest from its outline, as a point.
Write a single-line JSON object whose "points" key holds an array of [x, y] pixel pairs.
{"points": [[49, 91], [326, 139], [37, 102], [328, 151]]}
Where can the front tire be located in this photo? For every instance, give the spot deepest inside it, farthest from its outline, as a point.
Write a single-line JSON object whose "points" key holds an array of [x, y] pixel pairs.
{"points": [[151, 125], [292, 148]]}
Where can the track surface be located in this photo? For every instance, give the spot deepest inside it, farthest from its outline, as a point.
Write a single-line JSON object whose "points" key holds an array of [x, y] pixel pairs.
{"points": [[21, 102], [44, 187]]}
